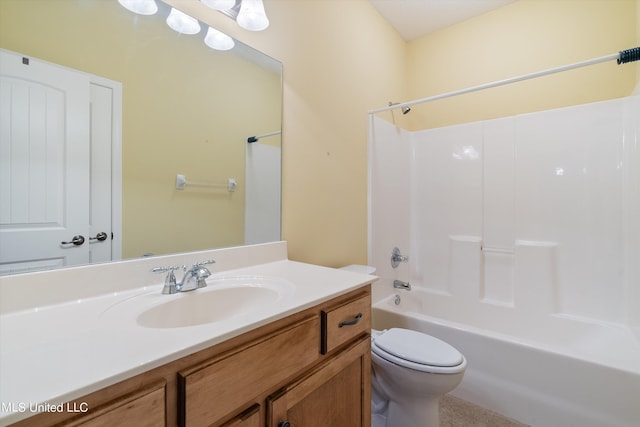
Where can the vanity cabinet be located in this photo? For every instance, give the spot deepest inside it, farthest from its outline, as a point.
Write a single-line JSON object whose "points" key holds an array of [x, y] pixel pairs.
{"points": [[333, 394], [309, 369], [313, 368]]}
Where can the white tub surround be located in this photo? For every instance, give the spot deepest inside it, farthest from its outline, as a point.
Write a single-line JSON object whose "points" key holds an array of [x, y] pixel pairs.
{"points": [[562, 373], [537, 213], [527, 227], [61, 340]]}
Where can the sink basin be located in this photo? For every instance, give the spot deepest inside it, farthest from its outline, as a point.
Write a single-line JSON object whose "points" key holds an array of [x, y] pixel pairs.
{"points": [[223, 299]]}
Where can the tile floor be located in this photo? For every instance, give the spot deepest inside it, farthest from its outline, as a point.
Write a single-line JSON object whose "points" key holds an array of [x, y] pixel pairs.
{"points": [[456, 412]]}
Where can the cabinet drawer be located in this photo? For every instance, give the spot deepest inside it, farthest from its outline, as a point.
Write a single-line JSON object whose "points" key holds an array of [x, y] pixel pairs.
{"points": [[213, 390], [345, 322]]}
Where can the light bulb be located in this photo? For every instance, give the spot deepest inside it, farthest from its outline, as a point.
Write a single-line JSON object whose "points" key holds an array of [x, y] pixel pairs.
{"points": [[219, 4], [142, 7], [218, 40], [252, 16], [182, 23]]}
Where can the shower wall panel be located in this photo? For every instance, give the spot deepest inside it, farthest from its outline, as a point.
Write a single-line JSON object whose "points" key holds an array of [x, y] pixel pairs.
{"points": [[537, 212], [446, 203], [631, 209], [389, 190], [569, 191], [498, 211]]}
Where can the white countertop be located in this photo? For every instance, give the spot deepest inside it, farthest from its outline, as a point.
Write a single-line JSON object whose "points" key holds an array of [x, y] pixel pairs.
{"points": [[55, 353]]}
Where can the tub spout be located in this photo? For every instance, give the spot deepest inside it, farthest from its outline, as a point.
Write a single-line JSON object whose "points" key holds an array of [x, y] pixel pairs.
{"points": [[399, 284]]}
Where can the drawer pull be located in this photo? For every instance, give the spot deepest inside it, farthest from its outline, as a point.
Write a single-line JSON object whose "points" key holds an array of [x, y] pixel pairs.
{"points": [[350, 322], [284, 423]]}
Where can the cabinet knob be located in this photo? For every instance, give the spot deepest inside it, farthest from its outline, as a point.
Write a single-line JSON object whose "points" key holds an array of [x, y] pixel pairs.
{"points": [[284, 423]]}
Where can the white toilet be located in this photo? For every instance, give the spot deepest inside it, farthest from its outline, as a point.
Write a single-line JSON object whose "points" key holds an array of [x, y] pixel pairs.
{"points": [[411, 372]]}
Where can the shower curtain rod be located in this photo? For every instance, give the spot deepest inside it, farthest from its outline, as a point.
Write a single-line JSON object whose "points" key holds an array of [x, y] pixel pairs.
{"points": [[257, 137], [622, 57]]}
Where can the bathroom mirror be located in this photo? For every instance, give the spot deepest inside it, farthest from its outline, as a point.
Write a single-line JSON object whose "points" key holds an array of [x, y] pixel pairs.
{"points": [[187, 110]]}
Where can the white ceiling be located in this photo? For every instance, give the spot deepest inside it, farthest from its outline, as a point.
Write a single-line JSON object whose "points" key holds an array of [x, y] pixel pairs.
{"points": [[415, 18]]}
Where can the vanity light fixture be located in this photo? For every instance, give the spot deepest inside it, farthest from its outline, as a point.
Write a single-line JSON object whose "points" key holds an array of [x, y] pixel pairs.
{"points": [[142, 7], [220, 4], [182, 23], [218, 40], [185, 24], [249, 14], [252, 16]]}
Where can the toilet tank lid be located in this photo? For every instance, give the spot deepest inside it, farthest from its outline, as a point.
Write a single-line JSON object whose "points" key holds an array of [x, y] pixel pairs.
{"points": [[418, 348]]}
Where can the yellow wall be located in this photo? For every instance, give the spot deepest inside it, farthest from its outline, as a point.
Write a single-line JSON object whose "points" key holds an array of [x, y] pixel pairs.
{"points": [[184, 111], [340, 59], [524, 37]]}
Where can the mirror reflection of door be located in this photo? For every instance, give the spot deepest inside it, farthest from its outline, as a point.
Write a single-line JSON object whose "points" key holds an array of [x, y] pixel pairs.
{"points": [[55, 166]]}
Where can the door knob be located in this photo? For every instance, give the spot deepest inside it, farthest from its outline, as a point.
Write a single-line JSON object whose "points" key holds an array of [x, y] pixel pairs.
{"points": [[99, 237], [284, 424], [77, 240]]}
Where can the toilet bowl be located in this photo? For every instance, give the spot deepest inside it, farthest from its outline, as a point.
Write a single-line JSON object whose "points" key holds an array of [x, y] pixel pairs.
{"points": [[411, 371]]}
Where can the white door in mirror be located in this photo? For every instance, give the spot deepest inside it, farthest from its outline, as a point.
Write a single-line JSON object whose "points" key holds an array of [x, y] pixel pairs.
{"points": [[46, 166]]}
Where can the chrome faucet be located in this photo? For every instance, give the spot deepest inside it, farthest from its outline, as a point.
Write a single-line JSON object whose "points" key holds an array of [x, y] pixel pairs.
{"points": [[399, 284], [397, 258], [194, 277]]}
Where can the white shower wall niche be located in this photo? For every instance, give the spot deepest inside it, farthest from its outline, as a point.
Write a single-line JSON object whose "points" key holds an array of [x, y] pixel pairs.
{"points": [[518, 218]]}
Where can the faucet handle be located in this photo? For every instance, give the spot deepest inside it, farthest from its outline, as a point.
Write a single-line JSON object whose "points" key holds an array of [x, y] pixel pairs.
{"points": [[200, 275], [205, 262], [397, 258], [169, 281], [169, 268], [200, 272]]}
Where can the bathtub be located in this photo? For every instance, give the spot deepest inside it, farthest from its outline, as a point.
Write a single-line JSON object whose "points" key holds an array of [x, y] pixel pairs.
{"points": [[551, 371]]}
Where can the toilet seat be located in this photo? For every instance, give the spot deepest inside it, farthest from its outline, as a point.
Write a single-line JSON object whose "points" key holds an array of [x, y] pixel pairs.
{"points": [[418, 351]]}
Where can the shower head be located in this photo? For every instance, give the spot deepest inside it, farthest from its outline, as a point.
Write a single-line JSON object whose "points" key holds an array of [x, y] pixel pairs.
{"points": [[405, 109]]}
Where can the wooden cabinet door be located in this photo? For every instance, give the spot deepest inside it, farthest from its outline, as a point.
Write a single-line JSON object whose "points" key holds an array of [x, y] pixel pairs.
{"points": [[335, 394], [249, 418], [219, 387], [143, 408]]}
